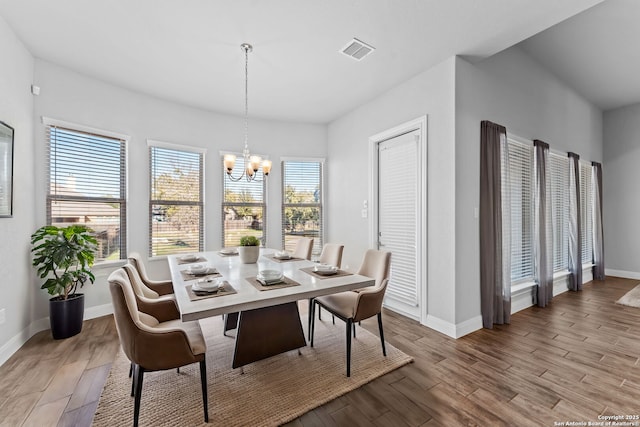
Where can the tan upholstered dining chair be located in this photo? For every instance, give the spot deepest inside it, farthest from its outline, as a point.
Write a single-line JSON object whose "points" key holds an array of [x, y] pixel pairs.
{"points": [[161, 287], [332, 255], [353, 307], [152, 345], [304, 245], [375, 264], [162, 307]]}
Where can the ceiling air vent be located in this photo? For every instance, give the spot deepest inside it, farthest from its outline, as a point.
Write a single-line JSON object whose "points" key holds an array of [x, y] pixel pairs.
{"points": [[357, 49]]}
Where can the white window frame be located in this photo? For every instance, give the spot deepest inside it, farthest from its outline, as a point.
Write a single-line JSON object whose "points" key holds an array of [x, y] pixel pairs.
{"points": [[50, 123], [199, 203], [224, 204], [318, 243]]}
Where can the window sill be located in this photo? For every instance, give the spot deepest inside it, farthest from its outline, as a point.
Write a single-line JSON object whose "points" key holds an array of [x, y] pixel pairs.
{"points": [[109, 264]]}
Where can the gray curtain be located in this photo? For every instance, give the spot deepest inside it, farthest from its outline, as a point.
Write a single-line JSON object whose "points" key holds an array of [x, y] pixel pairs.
{"points": [[598, 232], [575, 226], [495, 262], [543, 247]]}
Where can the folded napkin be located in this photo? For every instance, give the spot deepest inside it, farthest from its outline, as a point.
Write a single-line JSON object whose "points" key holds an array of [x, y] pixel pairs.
{"points": [[265, 282]]}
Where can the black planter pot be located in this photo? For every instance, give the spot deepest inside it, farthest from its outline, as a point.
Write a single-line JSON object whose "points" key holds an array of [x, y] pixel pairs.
{"points": [[66, 316]]}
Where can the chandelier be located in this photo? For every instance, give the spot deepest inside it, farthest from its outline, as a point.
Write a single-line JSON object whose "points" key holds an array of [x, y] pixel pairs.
{"points": [[251, 163]]}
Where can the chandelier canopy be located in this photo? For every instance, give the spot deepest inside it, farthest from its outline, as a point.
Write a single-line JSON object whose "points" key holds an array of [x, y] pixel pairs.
{"points": [[251, 163]]}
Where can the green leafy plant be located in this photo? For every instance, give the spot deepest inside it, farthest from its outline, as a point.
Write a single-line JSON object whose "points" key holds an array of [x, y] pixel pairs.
{"points": [[64, 257], [249, 241]]}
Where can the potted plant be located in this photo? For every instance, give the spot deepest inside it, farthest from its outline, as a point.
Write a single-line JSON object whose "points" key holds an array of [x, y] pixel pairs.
{"points": [[249, 249], [64, 256]]}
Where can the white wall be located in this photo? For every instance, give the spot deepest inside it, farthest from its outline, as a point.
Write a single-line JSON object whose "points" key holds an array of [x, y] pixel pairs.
{"points": [[620, 176], [513, 90], [16, 110], [430, 93], [72, 97]]}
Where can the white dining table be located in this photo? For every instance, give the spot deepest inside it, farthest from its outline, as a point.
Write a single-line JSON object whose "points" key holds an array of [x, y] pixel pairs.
{"points": [[268, 320]]}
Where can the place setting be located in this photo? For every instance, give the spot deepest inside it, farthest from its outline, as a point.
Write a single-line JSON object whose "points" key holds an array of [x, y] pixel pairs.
{"points": [[325, 271], [283, 256], [208, 288], [228, 252], [271, 279], [190, 258], [199, 271]]}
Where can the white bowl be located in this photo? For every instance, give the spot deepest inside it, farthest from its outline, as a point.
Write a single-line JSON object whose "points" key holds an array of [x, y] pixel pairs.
{"points": [[325, 267], [283, 255], [207, 285], [191, 257], [198, 269], [270, 275], [229, 251]]}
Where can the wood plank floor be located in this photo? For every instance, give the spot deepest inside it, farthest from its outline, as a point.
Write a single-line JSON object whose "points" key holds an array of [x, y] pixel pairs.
{"points": [[573, 361]]}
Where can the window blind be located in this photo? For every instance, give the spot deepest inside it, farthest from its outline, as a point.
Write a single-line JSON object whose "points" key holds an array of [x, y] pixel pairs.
{"points": [[87, 186], [520, 188], [586, 212], [176, 201], [243, 206], [559, 176], [302, 213]]}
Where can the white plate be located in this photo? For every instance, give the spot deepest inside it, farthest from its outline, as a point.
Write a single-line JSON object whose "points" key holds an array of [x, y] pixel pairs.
{"points": [[269, 275], [229, 251], [188, 258], [197, 269], [207, 285]]}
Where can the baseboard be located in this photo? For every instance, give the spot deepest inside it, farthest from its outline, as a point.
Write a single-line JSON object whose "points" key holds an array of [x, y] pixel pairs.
{"points": [[622, 273], [18, 340], [454, 330]]}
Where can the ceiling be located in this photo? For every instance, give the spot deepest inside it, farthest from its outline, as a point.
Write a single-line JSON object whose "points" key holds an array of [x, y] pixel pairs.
{"points": [[189, 51], [595, 52]]}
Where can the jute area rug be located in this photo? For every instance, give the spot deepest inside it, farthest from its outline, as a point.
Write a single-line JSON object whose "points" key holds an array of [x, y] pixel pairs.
{"points": [[269, 393], [631, 298]]}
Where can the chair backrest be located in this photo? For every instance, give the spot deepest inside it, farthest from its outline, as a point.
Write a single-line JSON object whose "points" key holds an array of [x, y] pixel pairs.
{"points": [[369, 302], [303, 248], [135, 259], [376, 264], [137, 284], [331, 254], [143, 340], [125, 311]]}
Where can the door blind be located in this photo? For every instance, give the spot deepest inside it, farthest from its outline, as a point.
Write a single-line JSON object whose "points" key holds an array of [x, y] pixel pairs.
{"points": [[586, 207], [397, 185]]}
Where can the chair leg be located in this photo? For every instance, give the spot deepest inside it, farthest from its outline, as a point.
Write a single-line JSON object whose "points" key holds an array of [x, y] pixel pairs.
{"points": [[203, 381], [134, 373], [313, 320], [130, 369], [333, 319], [319, 313], [136, 405], [349, 323], [384, 350], [354, 330], [178, 370]]}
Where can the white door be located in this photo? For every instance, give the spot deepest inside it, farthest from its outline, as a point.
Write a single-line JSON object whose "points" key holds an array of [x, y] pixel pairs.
{"points": [[398, 229]]}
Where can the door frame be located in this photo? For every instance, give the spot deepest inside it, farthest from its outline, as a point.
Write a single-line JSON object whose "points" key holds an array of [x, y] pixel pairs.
{"points": [[419, 124]]}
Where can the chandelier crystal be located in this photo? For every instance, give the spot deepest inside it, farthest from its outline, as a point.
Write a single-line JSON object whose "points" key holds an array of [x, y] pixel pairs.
{"points": [[251, 163]]}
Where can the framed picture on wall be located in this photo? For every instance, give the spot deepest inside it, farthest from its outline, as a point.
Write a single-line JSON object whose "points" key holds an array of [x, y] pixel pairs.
{"points": [[6, 170]]}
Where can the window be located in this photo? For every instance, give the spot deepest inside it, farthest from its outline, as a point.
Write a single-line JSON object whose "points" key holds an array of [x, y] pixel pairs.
{"points": [[559, 176], [175, 204], [87, 184], [586, 213], [302, 214], [519, 167], [243, 206]]}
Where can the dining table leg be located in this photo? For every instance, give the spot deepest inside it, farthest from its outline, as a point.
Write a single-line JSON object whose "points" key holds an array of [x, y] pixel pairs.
{"points": [[266, 332]]}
